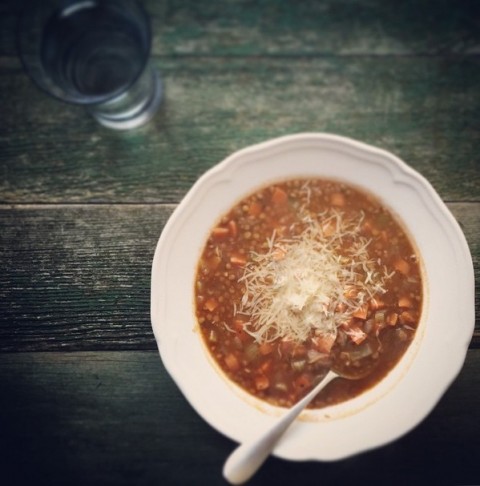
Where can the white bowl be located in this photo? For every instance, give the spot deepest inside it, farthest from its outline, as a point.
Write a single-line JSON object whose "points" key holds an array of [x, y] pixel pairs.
{"points": [[410, 391]]}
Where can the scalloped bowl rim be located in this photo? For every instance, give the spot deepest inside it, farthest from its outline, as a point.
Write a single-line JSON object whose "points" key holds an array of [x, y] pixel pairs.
{"points": [[408, 394]]}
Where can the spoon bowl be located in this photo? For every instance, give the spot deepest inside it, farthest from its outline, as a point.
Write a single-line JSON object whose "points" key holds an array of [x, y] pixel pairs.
{"points": [[248, 457]]}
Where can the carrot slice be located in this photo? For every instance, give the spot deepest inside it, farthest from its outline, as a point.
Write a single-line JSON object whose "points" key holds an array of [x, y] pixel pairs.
{"points": [[265, 348], [377, 303], [303, 381], [213, 262], [367, 226], [405, 302], [402, 266], [361, 313], [337, 199], [279, 196], [392, 319], [355, 333], [233, 228], [266, 366], [261, 382], [407, 317], [255, 209], [239, 327], [328, 229], [278, 254], [324, 342], [232, 362], [238, 259], [210, 304], [220, 232]]}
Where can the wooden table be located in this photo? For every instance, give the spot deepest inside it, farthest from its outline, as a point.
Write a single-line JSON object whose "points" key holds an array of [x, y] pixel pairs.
{"points": [[84, 397]]}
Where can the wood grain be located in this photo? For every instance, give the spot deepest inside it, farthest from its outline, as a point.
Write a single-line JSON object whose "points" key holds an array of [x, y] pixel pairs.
{"points": [[248, 27], [77, 277], [116, 418], [425, 110]]}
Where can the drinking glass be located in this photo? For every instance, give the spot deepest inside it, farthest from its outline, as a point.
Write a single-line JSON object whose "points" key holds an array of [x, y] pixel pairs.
{"points": [[93, 53]]}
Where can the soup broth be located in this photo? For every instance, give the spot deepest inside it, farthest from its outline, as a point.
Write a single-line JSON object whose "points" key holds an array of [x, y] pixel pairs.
{"points": [[302, 275]]}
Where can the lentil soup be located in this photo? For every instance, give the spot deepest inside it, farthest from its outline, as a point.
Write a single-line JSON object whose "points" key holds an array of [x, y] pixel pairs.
{"points": [[301, 275]]}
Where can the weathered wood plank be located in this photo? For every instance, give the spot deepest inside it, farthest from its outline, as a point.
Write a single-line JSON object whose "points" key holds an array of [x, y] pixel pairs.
{"points": [[246, 27], [78, 277], [425, 110], [116, 418]]}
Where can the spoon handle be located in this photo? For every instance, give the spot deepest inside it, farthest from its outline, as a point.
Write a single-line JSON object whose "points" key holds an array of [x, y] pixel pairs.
{"points": [[247, 458]]}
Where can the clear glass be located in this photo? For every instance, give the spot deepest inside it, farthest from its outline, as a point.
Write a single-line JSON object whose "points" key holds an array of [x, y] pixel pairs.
{"points": [[93, 53]]}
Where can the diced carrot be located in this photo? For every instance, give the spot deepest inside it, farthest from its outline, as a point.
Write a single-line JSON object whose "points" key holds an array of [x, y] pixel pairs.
{"points": [[367, 226], [324, 342], [341, 307], [303, 381], [265, 348], [405, 302], [286, 347], [350, 293], [266, 366], [392, 319], [278, 254], [210, 304], [238, 259], [261, 382], [232, 362], [213, 262], [280, 231], [279, 196], [255, 209], [377, 303], [239, 327], [402, 266], [328, 229], [362, 312], [348, 323], [233, 228], [407, 317], [355, 333], [220, 232], [337, 199]]}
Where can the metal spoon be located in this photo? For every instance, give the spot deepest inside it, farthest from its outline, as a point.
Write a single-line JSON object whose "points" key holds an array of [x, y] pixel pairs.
{"points": [[247, 458]]}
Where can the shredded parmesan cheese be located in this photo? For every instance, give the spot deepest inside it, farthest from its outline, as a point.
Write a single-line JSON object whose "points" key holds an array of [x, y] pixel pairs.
{"points": [[310, 284]]}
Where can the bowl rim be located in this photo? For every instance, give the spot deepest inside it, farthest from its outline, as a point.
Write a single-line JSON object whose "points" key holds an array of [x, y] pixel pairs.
{"points": [[401, 174]]}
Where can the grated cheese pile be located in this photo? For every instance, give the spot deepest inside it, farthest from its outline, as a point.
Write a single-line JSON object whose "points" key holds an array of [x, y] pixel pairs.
{"points": [[310, 283]]}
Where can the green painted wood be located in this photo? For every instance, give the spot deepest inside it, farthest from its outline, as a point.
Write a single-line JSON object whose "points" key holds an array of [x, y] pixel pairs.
{"points": [[116, 418], [77, 277], [425, 110], [345, 27]]}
